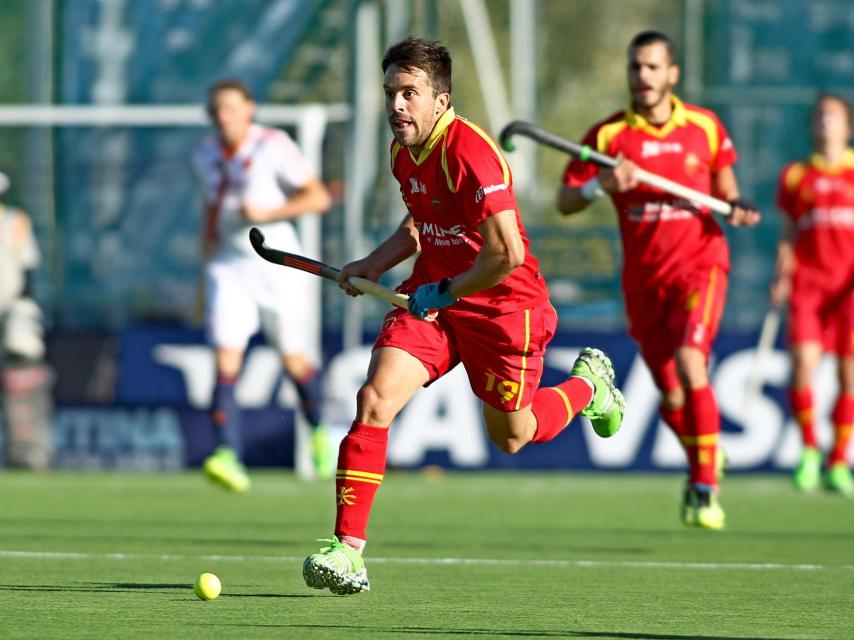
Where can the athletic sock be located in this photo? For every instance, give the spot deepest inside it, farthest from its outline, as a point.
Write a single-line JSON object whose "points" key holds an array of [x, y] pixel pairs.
{"points": [[361, 465], [309, 390], [802, 407], [554, 407], [675, 419], [226, 414], [704, 421], [843, 417]]}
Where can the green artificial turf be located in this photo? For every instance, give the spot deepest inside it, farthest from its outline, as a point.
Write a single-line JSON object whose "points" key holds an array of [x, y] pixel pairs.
{"points": [[450, 556]]}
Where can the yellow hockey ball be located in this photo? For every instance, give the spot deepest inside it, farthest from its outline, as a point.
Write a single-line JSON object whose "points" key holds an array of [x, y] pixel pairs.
{"points": [[207, 586]]}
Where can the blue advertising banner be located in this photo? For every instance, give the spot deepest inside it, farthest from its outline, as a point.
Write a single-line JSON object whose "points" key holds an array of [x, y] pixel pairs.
{"points": [[159, 418]]}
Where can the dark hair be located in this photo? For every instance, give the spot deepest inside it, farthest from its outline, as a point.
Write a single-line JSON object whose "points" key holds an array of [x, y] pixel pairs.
{"points": [[228, 84], [831, 95], [428, 55], [646, 38]]}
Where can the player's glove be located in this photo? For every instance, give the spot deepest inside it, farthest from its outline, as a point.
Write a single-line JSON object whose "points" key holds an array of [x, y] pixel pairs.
{"points": [[743, 203], [429, 297]]}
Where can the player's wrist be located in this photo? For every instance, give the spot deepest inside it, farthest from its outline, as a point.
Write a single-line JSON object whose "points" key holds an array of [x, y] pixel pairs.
{"points": [[592, 189]]}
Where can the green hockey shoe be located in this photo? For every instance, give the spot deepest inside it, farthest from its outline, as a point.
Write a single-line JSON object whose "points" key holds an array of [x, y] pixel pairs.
{"points": [[807, 475], [338, 567], [839, 479], [701, 508], [608, 406], [224, 468], [322, 453]]}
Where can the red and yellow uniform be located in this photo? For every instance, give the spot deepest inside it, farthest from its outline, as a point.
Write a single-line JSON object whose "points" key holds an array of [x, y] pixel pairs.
{"points": [[819, 199], [459, 180], [676, 258]]}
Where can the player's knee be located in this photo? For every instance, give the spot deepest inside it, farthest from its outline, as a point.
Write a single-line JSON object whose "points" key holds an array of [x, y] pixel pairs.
{"points": [[673, 399], [691, 368], [374, 407], [509, 444]]}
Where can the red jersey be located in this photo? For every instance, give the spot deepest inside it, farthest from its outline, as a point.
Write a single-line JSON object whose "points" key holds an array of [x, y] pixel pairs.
{"points": [[820, 201], [459, 180], [664, 236]]}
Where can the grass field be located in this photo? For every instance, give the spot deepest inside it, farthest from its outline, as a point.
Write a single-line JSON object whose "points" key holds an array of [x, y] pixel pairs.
{"points": [[451, 556]]}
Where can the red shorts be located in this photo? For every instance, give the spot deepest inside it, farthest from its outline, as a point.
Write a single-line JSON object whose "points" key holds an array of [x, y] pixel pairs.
{"points": [[503, 355], [684, 313], [818, 316]]}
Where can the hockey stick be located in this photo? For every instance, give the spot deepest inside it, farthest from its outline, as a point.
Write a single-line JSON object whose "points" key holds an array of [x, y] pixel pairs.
{"points": [[767, 339], [256, 237], [585, 153]]}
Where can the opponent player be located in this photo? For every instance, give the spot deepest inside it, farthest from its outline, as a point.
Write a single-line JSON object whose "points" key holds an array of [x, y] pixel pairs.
{"points": [[474, 267], [815, 274], [675, 255], [254, 176]]}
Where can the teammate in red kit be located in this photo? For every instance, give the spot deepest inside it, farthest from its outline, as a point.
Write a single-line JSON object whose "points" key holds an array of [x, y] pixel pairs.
{"points": [[474, 267], [815, 274], [676, 258]]}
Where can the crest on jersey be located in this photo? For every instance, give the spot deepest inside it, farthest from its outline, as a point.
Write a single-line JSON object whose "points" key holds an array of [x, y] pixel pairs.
{"points": [[692, 163]]}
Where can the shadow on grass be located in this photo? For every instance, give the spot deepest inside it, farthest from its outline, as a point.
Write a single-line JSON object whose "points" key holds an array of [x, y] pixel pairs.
{"points": [[509, 633], [140, 587]]}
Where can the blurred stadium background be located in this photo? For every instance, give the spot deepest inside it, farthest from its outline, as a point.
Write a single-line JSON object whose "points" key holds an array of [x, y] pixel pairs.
{"points": [[101, 105]]}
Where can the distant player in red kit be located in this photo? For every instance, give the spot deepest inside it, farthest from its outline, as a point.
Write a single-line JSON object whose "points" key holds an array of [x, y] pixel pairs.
{"points": [[676, 257], [475, 268], [815, 274]]}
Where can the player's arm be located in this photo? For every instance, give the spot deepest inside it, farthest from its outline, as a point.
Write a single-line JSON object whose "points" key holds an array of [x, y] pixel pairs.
{"points": [[501, 253], [400, 245], [617, 180], [725, 187], [781, 287], [311, 197]]}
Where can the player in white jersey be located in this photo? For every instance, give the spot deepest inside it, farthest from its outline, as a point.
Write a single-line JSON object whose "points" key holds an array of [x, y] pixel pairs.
{"points": [[254, 176]]}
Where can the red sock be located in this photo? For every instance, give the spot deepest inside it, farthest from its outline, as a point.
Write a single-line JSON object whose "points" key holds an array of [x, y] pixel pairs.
{"points": [[555, 406], [843, 417], [802, 408], [675, 419], [702, 417], [361, 465]]}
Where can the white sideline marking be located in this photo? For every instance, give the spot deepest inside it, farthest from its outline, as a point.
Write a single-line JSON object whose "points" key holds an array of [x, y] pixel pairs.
{"points": [[483, 562]]}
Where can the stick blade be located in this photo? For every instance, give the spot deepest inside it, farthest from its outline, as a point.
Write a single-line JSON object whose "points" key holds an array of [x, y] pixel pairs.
{"points": [[256, 238]]}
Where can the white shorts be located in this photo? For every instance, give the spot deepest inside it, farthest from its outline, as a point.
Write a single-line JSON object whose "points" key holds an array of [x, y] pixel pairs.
{"points": [[245, 294]]}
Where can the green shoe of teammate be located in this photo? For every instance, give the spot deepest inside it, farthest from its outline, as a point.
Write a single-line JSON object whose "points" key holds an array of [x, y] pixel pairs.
{"points": [[608, 406], [224, 467], [322, 453], [807, 475], [338, 567], [700, 508], [839, 479]]}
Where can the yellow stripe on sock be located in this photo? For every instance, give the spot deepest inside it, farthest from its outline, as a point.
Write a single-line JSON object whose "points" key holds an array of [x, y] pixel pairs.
{"points": [[565, 401], [363, 474], [341, 476], [701, 441]]}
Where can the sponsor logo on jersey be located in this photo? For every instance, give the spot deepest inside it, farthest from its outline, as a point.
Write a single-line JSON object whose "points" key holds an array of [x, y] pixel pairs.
{"points": [[439, 236], [839, 217], [416, 186], [654, 148], [485, 191], [662, 212]]}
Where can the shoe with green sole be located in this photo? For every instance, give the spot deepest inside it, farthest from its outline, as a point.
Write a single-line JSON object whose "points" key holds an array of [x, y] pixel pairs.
{"points": [[839, 480], [224, 468], [322, 453], [608, 406], [807, 475], [338, 567]]}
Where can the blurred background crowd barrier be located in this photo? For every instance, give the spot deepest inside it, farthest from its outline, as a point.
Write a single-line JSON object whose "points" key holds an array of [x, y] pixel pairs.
{"points": [[101, 103]]}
